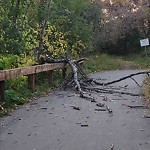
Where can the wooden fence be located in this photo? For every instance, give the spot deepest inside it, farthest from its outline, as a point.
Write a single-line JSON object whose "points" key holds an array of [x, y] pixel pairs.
{"points": [[30, 73]]}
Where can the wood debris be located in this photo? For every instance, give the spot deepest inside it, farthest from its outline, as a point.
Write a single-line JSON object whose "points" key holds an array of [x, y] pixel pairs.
{"points": [[100, 109], [109, 110], [136, 106], [146, 116], [84, 125], [44, 108], [100, 105], [76, 108], [112, 147]]}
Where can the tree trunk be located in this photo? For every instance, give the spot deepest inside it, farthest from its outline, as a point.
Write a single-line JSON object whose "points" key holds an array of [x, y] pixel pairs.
{"points": [[42, 31]]}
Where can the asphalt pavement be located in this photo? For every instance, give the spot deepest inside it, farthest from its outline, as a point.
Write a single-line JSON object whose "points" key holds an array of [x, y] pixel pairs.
{"points": [[53, 122]]}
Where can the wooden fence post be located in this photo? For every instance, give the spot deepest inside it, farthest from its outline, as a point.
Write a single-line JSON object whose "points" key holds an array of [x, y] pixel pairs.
{"points": [[2, 90], [64, 70], [50, 77], [31, 82]]}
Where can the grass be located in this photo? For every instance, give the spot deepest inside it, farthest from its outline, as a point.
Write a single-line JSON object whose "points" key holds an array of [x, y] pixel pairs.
{"points": [[102, 62], [146, 88], [140, 60]]}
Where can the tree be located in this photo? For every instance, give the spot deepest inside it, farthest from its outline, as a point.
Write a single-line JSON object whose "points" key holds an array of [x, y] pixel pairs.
{"points": [[16, 32], [123, 23], [38, 27], [69, 18]]}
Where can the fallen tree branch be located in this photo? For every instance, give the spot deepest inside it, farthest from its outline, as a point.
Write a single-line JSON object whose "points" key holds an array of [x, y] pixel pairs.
{"points": [[136, 106], [135, 81], [75, 68], [81, 71], [75, 74], [81, 82], [92, 99], [146, 116], [109, 110], [101, 90], [75, 107], [123, 78]]}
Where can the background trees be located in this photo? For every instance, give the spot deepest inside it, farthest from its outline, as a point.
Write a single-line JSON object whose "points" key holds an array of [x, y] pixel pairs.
{"points": [[31, 29], [123, 24]]}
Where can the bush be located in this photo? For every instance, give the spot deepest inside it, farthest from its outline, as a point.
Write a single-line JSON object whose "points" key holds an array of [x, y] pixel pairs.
{"points": [[16, 91]]}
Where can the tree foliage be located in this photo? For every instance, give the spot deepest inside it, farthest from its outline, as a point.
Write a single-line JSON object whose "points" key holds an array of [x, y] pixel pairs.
{"points": [[123, 24], [35, 29], [41, 28]]}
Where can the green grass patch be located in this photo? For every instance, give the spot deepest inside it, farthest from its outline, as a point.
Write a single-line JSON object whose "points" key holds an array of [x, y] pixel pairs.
{"points": [[102, 62], [147, 89], [140, 60]]}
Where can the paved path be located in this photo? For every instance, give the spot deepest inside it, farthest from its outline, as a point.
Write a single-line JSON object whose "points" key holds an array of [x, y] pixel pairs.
{"points": [[49, 123]]}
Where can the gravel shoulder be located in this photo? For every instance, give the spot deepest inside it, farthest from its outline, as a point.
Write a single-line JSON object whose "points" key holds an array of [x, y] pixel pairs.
{"points": [[51, 123]]}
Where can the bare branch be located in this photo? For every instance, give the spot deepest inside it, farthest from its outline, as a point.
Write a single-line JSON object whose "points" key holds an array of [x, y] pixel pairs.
{"points": [[121, 79]]}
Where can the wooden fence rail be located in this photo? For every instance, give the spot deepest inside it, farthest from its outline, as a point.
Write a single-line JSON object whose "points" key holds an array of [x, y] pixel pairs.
{"points": [[30, 73]]}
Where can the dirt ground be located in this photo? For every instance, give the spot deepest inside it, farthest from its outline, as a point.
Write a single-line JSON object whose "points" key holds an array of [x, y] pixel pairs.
{"points": [[51, 123]]}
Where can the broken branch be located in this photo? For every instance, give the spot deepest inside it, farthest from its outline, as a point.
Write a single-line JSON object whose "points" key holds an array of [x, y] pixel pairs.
{"points": [[123, 78], [136, 106]]}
